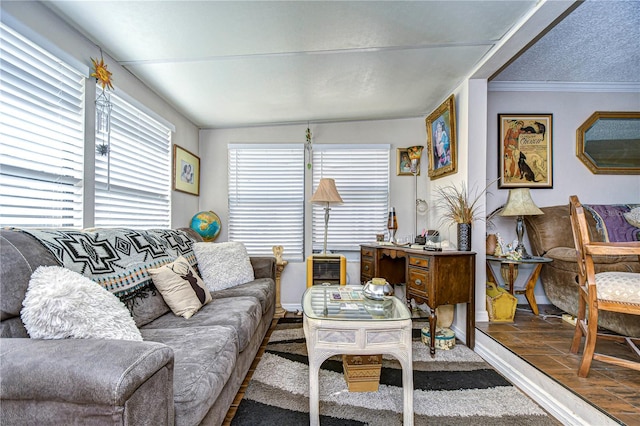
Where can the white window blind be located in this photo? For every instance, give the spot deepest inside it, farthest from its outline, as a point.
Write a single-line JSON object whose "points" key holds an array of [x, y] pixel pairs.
{"points": [[266, 198], [133, 183], [361, 173], [41, 136]]}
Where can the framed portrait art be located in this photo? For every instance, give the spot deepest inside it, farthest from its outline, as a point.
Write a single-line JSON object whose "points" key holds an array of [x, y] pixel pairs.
{"points": [[441, 140], [525, 150], [186, 171], [403, 160]]}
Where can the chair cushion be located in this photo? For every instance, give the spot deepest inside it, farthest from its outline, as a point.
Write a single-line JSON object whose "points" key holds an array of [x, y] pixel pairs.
{"points": [[618, 287]]}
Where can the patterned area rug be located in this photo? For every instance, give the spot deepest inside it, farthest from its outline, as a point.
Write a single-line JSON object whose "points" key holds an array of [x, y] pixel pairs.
{"points": [[455, 388]]}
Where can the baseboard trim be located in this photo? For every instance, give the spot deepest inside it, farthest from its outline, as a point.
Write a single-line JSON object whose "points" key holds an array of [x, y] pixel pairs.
{"points": [[561, 403]]}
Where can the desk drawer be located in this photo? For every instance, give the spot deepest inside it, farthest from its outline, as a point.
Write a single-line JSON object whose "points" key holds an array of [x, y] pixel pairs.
{"points": [[366, 252], [418, 282], [422, 262], [366, 269]]}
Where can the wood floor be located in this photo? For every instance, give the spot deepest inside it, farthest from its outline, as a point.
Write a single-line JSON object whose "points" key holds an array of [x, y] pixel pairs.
{"points": [[543, 341]]}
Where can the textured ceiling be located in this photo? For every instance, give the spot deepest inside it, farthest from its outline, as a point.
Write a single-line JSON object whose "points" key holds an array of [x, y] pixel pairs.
{"points": [[598, 42], [233, 64]]}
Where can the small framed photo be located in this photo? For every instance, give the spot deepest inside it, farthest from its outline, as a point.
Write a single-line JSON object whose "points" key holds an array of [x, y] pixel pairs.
{"points": [[186, 171], [403, 163], [525, 151], [441, 140]]}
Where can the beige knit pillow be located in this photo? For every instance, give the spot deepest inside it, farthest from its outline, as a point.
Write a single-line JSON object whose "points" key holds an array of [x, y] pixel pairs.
{"points": [[181, 287]]}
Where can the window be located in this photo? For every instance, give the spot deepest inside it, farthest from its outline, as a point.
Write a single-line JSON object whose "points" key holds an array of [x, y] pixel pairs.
{"points": [[42, 140], [266, 198], [361, 173], [133, 182]]}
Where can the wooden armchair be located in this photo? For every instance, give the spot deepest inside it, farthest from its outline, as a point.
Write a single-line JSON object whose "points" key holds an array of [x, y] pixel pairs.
{"points": [[606, 291]]}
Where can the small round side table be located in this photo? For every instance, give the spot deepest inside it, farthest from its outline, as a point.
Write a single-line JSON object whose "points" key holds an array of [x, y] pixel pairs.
{"points": [[510, 278]]}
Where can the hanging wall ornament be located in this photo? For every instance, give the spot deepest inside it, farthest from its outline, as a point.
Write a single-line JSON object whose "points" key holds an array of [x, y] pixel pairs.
{"points": [[103, 104], [308, 146]]}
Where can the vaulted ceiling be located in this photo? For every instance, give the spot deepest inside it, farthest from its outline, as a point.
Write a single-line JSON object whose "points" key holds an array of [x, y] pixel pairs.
{"points": [[236, 63]]}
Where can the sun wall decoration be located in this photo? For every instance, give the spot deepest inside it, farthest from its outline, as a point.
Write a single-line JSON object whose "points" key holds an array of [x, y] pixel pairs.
{"points": [[103, 104]]}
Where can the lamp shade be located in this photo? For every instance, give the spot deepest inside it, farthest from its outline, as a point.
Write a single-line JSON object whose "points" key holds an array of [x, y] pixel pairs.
{"points": [[520, 203], [326, 192]]}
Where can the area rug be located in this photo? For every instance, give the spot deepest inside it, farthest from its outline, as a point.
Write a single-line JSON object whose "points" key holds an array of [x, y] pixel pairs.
{"points": [[457, 387]]}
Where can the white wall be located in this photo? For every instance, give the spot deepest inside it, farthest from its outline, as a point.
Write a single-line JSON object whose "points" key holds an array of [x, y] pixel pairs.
{"points": [[397, 133], [570, 175], [39, 20]]}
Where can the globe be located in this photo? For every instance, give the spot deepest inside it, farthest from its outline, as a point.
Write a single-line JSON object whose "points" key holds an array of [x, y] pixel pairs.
{"points": [[207, 224]]}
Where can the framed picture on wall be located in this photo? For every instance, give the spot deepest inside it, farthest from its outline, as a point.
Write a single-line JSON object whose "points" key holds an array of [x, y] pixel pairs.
{"points": [[186, 171], [403, 162], [525, 151], [441, 140]]}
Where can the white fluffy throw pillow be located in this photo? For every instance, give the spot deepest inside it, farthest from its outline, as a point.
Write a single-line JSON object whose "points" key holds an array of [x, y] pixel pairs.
{"points": [[62, 304], [223, 265]]}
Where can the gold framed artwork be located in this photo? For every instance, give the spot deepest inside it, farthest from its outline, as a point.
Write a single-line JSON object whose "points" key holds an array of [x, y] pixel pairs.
{"points": [[441, 140], [403, 162], [525, 150], [186, 171]]}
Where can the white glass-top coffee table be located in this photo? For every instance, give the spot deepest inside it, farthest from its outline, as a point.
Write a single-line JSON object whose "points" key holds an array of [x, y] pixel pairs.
{"points": [[339, 320]]}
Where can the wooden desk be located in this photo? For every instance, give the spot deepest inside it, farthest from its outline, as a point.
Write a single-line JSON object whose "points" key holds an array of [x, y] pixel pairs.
{"points": [[435, 278]]}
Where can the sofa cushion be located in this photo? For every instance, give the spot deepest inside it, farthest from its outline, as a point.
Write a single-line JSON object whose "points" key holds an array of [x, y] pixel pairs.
{"points": [[223, 265], [205, 358], [62, 304], [242, 314], [181, 287], [262, 289]]}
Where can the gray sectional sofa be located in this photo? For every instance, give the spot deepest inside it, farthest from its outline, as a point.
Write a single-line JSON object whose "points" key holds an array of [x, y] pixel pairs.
{"points": [[185, 372]]}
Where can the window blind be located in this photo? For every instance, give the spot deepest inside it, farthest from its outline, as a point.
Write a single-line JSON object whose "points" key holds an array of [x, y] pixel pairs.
{"points": [[266, 198], [361, 173], [133, 183], [42, 139]]}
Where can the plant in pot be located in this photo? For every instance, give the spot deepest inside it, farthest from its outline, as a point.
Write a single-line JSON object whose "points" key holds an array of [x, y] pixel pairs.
{"points": [[459, 208]]}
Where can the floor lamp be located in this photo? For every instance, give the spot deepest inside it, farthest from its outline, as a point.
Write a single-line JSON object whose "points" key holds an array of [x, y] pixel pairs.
{"points": [[326, 194], [415, 152]]}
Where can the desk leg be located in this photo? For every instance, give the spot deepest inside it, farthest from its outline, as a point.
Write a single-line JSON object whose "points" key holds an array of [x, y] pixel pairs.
{"points": [[491, 277], [531, 284], [433, 319]]}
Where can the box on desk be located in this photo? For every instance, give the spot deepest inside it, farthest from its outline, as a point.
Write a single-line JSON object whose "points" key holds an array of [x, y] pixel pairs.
{"points": [[362, 372]]}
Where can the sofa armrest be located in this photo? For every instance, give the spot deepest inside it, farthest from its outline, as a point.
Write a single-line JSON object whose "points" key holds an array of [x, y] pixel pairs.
{"points": [[83, 372], [264, 267]]}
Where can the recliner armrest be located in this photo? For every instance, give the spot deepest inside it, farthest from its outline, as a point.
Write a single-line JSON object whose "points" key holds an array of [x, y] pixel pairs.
{"points": [[80, 371]]}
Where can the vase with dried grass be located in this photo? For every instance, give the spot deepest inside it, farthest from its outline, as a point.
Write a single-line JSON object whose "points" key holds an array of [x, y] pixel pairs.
{"points": [[459, 208]]}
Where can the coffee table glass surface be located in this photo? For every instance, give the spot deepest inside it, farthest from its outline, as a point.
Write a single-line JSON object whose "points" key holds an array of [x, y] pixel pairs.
{"points": [[349, 303]]}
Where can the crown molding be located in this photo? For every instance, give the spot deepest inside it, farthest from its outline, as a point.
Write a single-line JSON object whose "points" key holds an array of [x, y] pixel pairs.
{"points": [[562, 86]]}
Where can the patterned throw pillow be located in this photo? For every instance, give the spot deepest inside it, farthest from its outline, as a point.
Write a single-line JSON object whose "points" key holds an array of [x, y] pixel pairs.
{"points": [[181, 287], [62, 304], [633, 217], [223, 265]]}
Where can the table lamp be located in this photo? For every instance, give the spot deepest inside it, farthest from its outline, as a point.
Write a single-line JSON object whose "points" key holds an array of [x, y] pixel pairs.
{"points": [[520, 204], [326, 194]]}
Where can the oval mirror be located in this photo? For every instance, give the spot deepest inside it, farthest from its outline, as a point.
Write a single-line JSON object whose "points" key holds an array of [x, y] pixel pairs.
{"points": [[609, 143]]}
